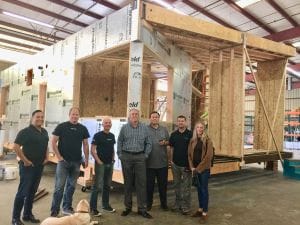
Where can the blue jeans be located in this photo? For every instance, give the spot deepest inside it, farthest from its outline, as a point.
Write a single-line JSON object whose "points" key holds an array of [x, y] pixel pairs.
{"points": [[66, 176], [30, 177], [102, 183], [203, 189]]}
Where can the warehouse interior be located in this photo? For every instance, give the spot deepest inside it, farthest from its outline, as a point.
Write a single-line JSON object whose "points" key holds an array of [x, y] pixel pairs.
{"points": [[234, 64]]}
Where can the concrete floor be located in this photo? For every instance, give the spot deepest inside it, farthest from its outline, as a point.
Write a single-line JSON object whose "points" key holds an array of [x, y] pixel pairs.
{"points": [[248, 197]]}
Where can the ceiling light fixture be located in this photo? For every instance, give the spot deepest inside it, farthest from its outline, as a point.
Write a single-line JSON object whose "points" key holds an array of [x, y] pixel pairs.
{"points": [[27, 19], [245, 3], [168, 6], [296, 44]]}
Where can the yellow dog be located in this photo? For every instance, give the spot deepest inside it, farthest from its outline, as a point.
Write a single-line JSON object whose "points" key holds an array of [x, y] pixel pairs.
{"points": [[80, 217]]}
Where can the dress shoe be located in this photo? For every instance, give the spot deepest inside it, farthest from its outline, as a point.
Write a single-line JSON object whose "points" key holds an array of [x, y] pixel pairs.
{"points": [[126, 212], [145, 214], [16, 222], [31, 219]]}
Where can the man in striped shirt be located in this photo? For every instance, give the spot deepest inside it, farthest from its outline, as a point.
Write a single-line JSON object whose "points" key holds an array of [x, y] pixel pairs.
{"points": [[134, 147]]}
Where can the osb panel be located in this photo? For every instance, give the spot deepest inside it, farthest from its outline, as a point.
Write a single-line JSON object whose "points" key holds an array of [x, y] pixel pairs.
{"points": [[103, 89], [226, 106], [215, 87], [238, 106], [269, 76]]}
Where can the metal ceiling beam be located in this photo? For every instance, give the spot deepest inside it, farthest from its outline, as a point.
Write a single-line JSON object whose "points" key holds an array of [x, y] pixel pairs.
{"points": [[232, 4], [77, 8], [282, 12], [25, 37], [170, 1], [20, 44], [25, 29], [17, 49], [208, 14], [285, 34], [108, 4], [46, 12]]}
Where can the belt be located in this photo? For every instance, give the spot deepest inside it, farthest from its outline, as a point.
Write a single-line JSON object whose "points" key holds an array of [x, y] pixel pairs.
{"points": [[133, 153]]}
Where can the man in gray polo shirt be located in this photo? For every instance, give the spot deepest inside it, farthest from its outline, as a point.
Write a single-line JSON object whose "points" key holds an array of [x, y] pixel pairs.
{"points": [[157, 162], [134, 147]]}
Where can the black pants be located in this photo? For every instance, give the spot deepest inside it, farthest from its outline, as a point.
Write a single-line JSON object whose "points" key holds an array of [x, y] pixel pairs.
{"points": [[161, 175], [30, 177]]}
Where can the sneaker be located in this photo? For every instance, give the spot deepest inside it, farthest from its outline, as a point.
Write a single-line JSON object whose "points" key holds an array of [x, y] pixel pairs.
{"points": [[68, 212], [185, 212], [96, 213], [109, 209]]}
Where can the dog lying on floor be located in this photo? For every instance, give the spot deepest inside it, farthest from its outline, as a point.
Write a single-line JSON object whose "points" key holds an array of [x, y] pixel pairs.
{"points": [[80, 217]]}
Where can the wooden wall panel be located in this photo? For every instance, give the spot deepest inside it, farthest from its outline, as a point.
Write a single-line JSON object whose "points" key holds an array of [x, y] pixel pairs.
{"points": [[226, 106], [215, 87], [238, 106], [271, 81], [103, 89]]}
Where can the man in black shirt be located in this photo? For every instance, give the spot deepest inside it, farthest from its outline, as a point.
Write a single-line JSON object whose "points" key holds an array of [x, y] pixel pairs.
{"points": [[31, 146], [103, 152], [182, 175], [70, 136]]}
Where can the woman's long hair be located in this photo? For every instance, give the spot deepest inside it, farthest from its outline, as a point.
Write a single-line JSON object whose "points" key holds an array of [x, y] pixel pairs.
{"points": [[195, 135]]}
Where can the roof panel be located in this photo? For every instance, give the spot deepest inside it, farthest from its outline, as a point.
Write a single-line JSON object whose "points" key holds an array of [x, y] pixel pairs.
{"points": [[26, 12], [229, 15], [102, 10]]}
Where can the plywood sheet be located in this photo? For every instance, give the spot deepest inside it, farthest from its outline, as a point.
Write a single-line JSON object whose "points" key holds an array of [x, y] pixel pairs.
{"points": [[215, 87], [226, 106], [269, 76]]}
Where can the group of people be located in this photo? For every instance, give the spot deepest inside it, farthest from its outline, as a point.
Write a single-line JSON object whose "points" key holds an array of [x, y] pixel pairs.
{"points": [[145, 151]]}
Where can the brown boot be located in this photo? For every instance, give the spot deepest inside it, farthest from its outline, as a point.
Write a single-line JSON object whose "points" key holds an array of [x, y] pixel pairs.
{"points": [[203, 219], [197, 214]]}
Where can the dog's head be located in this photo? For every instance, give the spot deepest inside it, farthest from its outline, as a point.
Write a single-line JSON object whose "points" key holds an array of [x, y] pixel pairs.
{"points": [[83, 206]]}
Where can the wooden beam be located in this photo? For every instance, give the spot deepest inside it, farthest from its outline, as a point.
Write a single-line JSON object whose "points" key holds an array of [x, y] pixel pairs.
{"points": [[268, 45], [157, 15], [165, 19]]}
